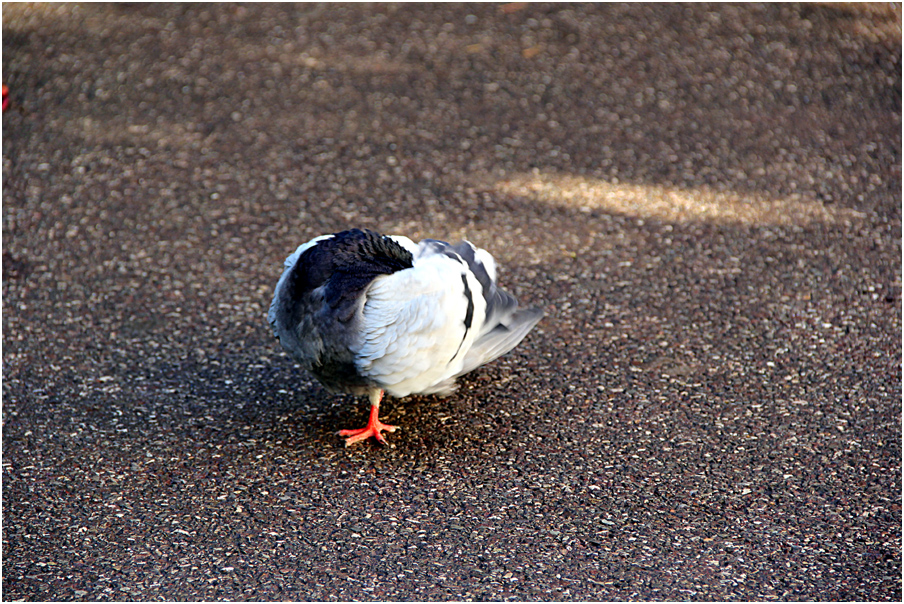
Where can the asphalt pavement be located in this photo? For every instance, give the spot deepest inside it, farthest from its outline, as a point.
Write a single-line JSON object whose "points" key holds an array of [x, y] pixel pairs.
{"points": [[706, 200]]}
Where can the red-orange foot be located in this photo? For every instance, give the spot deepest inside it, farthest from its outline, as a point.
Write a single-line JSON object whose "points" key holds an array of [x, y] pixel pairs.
{"points": [[374, 425], [372, 429]]}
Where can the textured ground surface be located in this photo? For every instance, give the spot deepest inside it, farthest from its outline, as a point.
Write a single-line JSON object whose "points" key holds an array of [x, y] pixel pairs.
{"points": [[706, 200]]}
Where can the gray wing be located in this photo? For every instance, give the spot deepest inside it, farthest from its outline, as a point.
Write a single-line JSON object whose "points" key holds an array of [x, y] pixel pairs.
{"points": [[505, 324]]}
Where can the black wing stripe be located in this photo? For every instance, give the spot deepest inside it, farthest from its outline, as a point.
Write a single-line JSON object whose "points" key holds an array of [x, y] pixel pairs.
{"points": [[469, 314]]}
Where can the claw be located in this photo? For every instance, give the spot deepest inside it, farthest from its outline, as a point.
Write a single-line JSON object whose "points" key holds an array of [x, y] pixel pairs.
{"points": [[374, 425]]}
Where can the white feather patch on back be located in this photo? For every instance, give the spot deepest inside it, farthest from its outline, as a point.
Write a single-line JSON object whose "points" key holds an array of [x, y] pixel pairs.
{"points": [[413, 326], [487, 260]]}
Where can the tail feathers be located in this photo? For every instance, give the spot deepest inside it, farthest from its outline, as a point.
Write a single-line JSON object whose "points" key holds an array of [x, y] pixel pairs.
{"points": [[501, 338], [501, 307]]}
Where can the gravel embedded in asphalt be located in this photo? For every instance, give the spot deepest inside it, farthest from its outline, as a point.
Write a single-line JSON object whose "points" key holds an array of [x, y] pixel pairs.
{"points": [[706, 200]]}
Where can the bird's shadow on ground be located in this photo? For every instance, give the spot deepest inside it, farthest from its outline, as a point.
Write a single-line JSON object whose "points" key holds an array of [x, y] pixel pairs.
{"points": [[236, 399], [312, 415]]}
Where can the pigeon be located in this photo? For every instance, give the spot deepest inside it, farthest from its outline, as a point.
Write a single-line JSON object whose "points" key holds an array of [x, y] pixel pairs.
{"points": [[369, 314]]}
